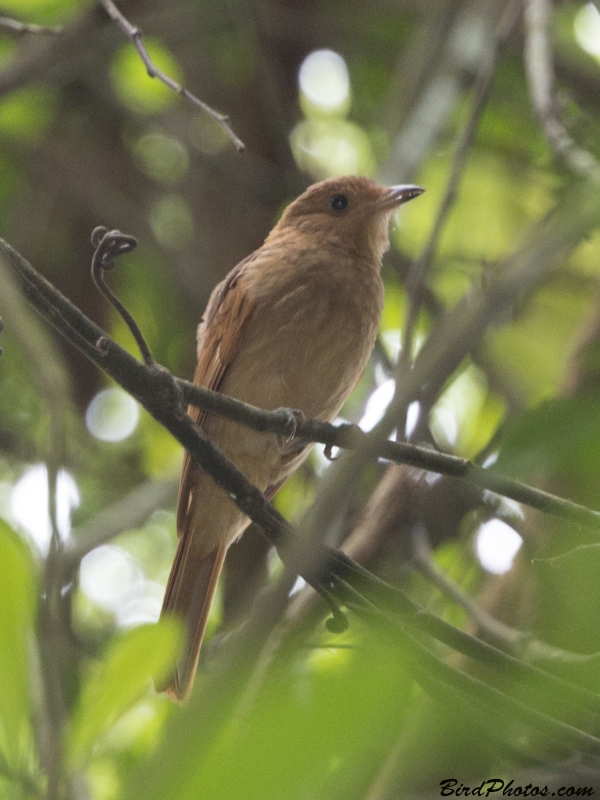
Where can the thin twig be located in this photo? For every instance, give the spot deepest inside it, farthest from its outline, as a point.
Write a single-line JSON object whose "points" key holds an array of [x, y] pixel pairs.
{"points": [[20, 28], [135, 34], [540, 77], [500, 633], [417, 273], [518, 642], [438, 71]]}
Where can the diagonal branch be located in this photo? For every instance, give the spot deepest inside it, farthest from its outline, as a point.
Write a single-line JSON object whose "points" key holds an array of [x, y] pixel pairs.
{"points": [[135, 34], [121, 366], [155, 388], [540, 76], [415, 282]]}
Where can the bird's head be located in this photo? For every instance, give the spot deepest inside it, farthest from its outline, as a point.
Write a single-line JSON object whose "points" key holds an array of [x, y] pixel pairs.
{"points": [[350, 213]]}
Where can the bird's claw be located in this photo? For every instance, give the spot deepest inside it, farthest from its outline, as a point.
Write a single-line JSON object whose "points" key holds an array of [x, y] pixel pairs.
{"points": [[328, 453], [294, 418], [285, 441]]}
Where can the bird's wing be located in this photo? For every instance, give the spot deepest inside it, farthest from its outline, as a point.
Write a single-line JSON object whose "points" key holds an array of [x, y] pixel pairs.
{"points": [[218, 343]]}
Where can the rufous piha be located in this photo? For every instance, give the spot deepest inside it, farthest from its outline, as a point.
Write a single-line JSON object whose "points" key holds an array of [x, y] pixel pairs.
{"points": [[291, 326]]}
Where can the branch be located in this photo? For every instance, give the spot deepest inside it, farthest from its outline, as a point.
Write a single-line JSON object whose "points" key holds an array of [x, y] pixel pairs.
{"points": [[83, 333], [443, 67], [513, 640], [540, 76], [19, 28], [135, 34], [129, 512], [483, 82], [351, 437]]}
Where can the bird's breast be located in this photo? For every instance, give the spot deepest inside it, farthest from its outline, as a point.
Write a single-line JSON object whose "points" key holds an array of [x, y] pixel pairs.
{"points": [[310, 337]]}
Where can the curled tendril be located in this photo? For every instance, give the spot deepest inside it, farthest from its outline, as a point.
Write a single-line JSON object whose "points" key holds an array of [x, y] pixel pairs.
{"points": [[109, 245], [337, 622]]}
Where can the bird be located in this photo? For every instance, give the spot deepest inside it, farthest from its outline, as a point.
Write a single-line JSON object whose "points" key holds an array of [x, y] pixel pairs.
{"points": [[291, 326]]}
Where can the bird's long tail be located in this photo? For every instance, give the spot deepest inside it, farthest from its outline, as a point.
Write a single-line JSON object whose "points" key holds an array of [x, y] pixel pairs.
{"points": [[189, 595]]}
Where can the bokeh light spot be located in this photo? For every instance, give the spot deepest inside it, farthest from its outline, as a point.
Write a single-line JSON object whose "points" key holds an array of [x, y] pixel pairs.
{"points": [[586, 27], [29, 504], [107, 575], [324, 80], [163, 158], [112, 415], [496, 545], [331, 148], [171, 221], [413, 413], [141, 605], [377, 404]]}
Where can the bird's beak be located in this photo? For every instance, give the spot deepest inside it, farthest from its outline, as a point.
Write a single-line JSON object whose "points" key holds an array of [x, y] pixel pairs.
{"points": [[396, 195], [403, 193]]}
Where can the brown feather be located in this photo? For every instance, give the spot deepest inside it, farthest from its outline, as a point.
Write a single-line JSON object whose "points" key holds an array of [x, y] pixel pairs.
{"points": [[217, 345], [190, 594]]}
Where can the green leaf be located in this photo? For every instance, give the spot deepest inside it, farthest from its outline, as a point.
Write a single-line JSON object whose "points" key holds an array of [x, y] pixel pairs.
{"points": [[43, 11], [17, 601], [569, 594], [26, 114], [533, 352], [562, 436], [130, 663], [315, 728]]}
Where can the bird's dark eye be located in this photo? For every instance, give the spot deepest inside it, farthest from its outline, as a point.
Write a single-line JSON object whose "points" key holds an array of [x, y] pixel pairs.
{"points": [[339, 202]]}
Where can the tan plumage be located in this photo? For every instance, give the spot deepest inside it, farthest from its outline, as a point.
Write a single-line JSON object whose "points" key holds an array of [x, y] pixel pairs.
{"points": [[292, 325]]}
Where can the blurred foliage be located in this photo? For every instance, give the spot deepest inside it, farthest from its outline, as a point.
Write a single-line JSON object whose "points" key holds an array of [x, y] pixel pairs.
{"points": [[116, 683], [88, 138], [129, 75], [18, 602]]}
